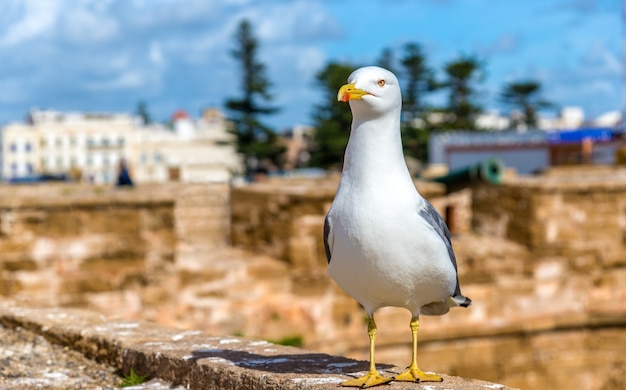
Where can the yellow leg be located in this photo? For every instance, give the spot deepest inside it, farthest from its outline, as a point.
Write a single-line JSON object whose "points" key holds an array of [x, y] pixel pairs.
{"points": [[413, 373], [372, 378]]}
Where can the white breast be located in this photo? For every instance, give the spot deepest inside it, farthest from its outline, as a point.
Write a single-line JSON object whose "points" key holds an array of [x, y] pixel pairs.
{"points": [[384, 253]]}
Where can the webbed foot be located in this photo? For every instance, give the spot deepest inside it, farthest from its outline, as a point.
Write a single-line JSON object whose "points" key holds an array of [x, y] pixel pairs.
{"points": [[372, 378], [417, 375]]}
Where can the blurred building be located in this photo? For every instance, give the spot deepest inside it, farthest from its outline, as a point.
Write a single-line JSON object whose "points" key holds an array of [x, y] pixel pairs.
{"points": [[609, 119], [527, 151], [569, 118], [90, 146], [78, 145], [492, 120], [566, 139], [192, 151], [298, 141]]}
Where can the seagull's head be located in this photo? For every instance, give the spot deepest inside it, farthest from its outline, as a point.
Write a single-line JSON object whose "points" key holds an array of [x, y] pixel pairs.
{"points": [[371, 90]]}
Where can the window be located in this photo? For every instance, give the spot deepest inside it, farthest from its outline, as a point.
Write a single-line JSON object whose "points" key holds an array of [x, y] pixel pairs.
{"points": [[27, 147], [13, 147], [29, 168]]}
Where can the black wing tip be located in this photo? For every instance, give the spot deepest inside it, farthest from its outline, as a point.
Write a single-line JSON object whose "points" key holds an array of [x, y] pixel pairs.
{"points": [[326, 233], [462, 300]]}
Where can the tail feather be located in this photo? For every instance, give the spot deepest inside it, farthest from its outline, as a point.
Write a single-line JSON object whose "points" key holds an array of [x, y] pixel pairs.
{"points": [[440, 308], [461, 300]]}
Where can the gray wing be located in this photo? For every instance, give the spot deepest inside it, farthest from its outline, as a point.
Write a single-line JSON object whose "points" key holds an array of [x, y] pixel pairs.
{"points": [[326, 233], [432, 216]]}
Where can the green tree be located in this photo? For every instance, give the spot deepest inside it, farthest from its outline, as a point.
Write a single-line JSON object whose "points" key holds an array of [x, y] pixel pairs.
{"points": [[461, 77], [418, 79], [142, 112], [386, 60], [331, 119], [257, 142], [526, 97]]}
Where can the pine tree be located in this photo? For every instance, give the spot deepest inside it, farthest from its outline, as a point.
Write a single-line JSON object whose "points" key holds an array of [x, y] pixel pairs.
{"points": [[526, 97], [257, 142], [332, 119], [386, 60], [461, 77], [418, 80], [142, 112]]}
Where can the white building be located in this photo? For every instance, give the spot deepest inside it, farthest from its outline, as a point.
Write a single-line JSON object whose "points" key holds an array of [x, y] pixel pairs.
{"points": [[609, 119], [89, 147], [193, 151], [492, 120], [569, 118]]}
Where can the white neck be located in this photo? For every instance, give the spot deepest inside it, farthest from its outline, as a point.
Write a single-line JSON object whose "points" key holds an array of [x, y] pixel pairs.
{"points": [[374, 150]]}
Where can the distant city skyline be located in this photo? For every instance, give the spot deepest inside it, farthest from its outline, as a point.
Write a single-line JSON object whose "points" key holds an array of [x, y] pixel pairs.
{"points": [[106, 56]]}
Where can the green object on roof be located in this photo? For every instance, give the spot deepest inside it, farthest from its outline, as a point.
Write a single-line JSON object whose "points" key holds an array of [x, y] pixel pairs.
{"points": [[489, 171]]}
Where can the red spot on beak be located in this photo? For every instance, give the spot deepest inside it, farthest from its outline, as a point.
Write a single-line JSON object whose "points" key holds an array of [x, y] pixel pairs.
{"points": [[346, 97]]}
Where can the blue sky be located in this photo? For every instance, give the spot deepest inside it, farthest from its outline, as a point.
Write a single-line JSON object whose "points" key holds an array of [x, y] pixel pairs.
{"points": [[106, 55]]}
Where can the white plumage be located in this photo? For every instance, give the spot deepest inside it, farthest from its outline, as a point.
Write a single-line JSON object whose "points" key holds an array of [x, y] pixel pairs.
{"points": [[386, 245]]}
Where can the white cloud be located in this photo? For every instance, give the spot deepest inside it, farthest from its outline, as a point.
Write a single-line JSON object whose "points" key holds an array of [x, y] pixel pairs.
{"points": [[160, 14], [84, 25], [12, 91], [36, 19], [310, 60], [505, 44], [600, 59], [155, 54], [604, 87], [129, 79], [300, 21]]}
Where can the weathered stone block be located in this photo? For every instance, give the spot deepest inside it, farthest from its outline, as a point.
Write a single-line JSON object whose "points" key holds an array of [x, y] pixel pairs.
{"points": [[58, 223], [80, 283], [9, 286], [18, 262], [188, 277], [309, 284]]}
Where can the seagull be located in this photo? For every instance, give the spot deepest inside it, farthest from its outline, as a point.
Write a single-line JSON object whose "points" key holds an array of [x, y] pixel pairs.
{"points": [[386, 245]]}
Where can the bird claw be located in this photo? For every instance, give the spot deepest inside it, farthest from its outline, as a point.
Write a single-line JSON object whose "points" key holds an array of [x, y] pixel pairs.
{"points": [[417, 375], [370, 379]]}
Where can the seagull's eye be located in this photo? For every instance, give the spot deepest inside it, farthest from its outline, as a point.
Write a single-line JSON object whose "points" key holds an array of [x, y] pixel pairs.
{"points": [[381, 83]]}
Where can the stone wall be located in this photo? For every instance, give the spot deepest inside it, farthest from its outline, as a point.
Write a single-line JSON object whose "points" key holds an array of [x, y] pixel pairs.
{"points": [[183, 359], [580, 215], [78, 245], [283, 219]]}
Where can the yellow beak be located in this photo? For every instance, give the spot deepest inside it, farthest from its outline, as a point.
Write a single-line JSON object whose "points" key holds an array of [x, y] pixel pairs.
{"points": [[350, 92]]}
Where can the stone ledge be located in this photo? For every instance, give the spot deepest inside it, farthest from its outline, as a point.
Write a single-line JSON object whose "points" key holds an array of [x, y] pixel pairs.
{"points": [[195, 360]]}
